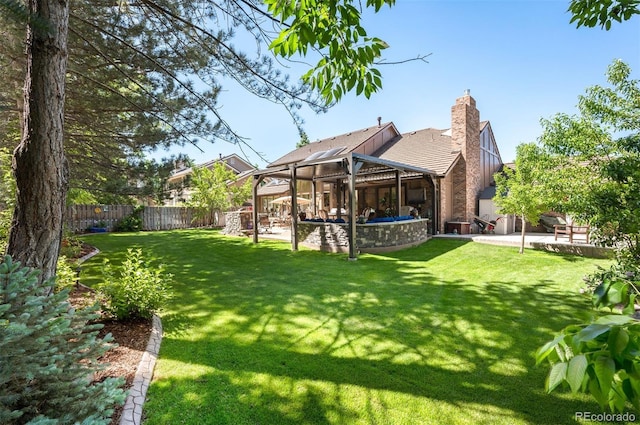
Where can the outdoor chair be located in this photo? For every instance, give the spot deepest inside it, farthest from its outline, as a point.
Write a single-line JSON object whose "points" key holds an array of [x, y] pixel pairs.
{"points": [[571, 230], [264, 224]]}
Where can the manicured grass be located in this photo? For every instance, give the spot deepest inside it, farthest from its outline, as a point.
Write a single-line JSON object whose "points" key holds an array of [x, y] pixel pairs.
{"points": [[444, 333]]}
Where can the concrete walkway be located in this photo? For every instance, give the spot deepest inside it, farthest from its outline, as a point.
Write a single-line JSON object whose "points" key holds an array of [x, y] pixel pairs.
{"points": [[540, 241]]}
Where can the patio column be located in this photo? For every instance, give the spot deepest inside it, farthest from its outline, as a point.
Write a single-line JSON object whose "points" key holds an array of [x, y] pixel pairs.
{"points": [[293, 186], [398, 192], [256, 183], [314, 209], [435, 213], [339, 198], [352, 170]]}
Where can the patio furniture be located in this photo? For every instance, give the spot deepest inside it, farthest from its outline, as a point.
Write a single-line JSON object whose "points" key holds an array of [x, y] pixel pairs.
{"points": [[264, 224], [571, 230], [549, 222]]}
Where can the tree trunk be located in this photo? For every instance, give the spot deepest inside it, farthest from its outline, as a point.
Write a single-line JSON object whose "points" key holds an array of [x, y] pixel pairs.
{"points": [[39, 163], [524, 226]]}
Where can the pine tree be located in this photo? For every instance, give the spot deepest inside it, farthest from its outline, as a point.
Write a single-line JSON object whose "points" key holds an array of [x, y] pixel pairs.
{"points": [[48, 354]]}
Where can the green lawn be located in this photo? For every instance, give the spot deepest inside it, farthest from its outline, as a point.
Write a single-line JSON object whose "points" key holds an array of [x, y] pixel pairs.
{"points": [[444, 333]]}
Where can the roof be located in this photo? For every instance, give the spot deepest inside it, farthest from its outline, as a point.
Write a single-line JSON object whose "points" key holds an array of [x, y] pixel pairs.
{"points": [[429, 148], [233, 162], [346, 142], [367, 167], [274, 188]]}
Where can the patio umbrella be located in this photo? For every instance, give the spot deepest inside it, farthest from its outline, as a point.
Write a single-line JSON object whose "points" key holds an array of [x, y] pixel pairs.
{"points": [[287, 200]]}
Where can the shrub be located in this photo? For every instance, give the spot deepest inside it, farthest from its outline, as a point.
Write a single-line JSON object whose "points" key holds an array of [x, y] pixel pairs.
{"points": [[138, 292], [71, 246], [66, 276], [48, 354], [601, 357], [132, 222]]}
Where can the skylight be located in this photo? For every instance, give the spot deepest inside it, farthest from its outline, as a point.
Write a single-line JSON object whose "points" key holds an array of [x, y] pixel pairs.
{"points": [[325, 154]]}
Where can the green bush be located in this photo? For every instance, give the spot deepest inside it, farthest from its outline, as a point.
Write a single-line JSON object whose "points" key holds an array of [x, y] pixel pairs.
{"points": [[132, 222], [71, 246], [601, 358], [138, 292], [48, 354], [66, 276]]}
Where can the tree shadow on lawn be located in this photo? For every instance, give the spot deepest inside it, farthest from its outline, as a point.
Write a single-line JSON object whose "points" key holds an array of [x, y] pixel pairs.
{"points": [[462, 343], [291, 337]]}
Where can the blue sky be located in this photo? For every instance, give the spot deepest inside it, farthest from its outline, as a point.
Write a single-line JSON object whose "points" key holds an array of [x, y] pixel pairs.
{"points": [[521, 59]]}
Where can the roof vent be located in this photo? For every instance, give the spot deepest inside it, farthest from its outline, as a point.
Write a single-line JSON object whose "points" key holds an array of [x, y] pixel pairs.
{"points": [[379, 121]]}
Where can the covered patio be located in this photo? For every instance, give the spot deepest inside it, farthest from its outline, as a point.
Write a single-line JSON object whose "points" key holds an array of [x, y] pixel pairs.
{"points": [[348, 173]]}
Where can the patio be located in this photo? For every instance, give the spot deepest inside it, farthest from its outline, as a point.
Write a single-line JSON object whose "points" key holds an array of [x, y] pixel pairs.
{"points": [[348, 173], [538, 241]]}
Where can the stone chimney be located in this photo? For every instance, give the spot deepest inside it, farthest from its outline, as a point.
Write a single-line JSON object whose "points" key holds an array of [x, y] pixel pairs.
{"points": [[465, 136]]}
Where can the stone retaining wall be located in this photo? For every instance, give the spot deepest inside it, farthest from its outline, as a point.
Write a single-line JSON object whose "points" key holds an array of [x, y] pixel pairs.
{"points": [[375, 237]]}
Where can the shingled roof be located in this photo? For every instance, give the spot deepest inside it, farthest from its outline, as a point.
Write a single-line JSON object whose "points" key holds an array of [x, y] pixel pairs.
{"points": [[348, 141], [429, 148]]}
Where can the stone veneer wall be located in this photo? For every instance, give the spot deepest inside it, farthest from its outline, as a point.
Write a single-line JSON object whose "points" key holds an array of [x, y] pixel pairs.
{"points": [[375, 237], [237, 223]]}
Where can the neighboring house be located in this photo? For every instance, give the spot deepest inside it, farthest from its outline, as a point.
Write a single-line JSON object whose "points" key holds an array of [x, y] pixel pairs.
{"points": [[446, 169], [178, 183]]}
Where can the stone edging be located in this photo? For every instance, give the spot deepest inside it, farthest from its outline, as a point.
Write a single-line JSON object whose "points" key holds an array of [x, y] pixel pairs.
{"points": [[95, 251], [132, 411]]}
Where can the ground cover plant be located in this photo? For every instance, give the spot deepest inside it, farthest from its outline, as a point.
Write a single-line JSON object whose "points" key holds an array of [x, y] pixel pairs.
{"points": [[444, 333]]}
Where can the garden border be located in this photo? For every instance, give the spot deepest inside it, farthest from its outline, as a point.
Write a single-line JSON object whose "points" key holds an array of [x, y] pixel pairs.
{"points": [[132, 411]]}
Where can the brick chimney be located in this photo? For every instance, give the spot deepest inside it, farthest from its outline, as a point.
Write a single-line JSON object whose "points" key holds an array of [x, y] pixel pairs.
{"points": [[465, 136]]}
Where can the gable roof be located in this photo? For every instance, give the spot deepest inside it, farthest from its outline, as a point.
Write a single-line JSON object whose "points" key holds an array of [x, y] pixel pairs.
{"points": [[233, 162], [431, 149], [344, 143]]}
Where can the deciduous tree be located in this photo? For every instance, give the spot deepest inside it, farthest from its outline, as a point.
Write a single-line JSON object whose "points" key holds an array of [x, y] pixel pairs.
{"points": [[600, 154], [217, 188], [590, 13], [522, 190], [601, 148]]}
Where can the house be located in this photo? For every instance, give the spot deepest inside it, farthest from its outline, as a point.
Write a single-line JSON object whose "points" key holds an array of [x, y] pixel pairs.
{"points": [[439, 172], [178, 183]]}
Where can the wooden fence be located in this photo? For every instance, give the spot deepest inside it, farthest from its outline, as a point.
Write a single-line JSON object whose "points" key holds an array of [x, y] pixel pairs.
{"points": [[79, 218]]}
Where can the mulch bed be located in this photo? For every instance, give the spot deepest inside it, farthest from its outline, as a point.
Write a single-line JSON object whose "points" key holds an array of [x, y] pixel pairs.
{"points": [[131, 336]]}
